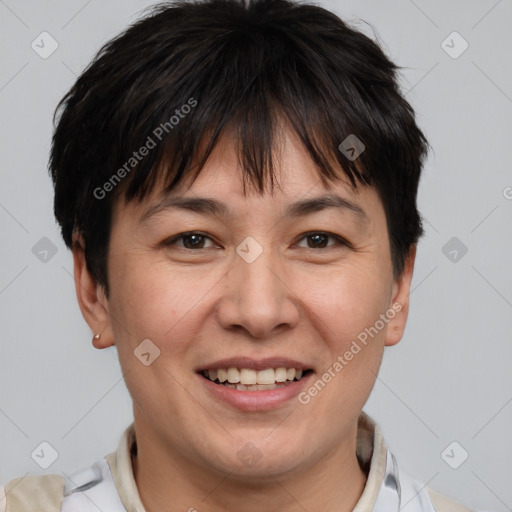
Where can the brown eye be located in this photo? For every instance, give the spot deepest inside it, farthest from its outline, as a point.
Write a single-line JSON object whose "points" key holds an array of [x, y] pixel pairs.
{"points": [[190, 241], [320, 240]]}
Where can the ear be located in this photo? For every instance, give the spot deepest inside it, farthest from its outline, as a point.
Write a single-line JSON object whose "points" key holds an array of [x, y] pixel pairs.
{"points": [[91, 297], [400, 301]]}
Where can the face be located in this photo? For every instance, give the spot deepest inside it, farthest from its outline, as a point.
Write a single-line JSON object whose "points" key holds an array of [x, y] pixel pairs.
{"points": [[260, 286]]}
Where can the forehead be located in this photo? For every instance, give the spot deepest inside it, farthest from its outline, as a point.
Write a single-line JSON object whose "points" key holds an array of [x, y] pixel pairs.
{"points": [[221, 190]]}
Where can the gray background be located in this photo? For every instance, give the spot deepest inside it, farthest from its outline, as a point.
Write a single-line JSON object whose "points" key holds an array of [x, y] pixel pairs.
{"points": [[447, 380]]}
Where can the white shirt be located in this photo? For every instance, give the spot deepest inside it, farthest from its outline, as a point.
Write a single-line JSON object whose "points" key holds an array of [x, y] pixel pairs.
{"points": [[109, 484]]}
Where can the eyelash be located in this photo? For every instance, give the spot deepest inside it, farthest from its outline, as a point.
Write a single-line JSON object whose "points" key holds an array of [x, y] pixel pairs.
{"points": [[340, 241]]}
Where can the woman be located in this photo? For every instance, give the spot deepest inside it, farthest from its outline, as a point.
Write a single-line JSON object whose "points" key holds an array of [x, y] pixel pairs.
{"points": [[237, 182]]}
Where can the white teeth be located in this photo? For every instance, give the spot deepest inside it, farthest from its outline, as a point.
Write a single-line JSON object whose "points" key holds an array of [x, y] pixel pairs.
{"points": [[247, 376], [281, 374], [233, 375], [255, 387], [267, 376], [253, 378]]}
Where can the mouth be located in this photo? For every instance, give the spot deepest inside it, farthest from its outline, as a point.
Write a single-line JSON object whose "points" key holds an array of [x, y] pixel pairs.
{"points": [[253, 384], [249, 379]]}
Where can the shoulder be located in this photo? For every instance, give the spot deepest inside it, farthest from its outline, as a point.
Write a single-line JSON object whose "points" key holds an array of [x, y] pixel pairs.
{"points": [[20, 494], [82, 492], [443, 503]]}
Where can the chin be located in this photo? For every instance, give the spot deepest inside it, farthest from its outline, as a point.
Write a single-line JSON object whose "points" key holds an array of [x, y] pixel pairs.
{"points": [[260, 458]]}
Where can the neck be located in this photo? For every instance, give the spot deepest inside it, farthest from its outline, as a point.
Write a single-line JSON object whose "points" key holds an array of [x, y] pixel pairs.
{"points": [[168, 482]]}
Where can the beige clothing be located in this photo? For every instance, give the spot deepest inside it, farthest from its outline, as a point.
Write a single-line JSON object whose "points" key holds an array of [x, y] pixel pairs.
{"points": [[45, 493]]}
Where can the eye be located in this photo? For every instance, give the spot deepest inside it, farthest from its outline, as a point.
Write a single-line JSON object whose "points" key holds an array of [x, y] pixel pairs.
{"points": [[319, 240], [192, 240], [196, 240]]}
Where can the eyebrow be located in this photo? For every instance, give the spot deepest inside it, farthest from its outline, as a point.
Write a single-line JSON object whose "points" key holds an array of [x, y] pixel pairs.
{"points": [[213, 207]]}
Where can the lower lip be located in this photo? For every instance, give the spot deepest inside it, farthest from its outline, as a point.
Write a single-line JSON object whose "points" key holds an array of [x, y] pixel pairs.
{"points": [[256, 400]]}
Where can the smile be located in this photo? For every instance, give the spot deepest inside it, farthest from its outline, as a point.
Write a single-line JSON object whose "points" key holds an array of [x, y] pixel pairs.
{"points": [[247, 379], [249, 389]]}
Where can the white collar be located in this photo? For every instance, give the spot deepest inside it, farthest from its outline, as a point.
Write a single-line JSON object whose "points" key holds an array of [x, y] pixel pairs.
{"points": [[387, 489]]}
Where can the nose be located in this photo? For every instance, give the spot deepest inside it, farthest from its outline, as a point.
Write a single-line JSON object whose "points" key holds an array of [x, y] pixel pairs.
{"points": [[259, 297]]}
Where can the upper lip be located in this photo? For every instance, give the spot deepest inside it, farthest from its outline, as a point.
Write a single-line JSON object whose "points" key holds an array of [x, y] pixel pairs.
{"points": [[255, 364]]}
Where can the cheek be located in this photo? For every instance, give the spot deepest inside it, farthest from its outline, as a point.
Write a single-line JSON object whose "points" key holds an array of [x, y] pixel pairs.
{"points": [[346, 303], [150, 302], [344, 309]]}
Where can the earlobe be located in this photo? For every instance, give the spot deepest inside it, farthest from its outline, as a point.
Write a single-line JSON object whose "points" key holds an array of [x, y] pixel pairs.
{"points": [[91, 297], [400, 301]]}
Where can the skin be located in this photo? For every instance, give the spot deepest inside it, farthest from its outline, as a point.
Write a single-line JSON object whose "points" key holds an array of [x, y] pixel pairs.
{"points": [[297, 299]]}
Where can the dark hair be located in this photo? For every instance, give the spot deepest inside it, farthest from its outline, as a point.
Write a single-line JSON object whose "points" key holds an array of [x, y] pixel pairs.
{"points": [[240, 65]]}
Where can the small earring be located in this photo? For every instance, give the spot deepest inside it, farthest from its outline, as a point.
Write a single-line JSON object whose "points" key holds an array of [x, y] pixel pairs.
{"points": [[96, 336]]}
